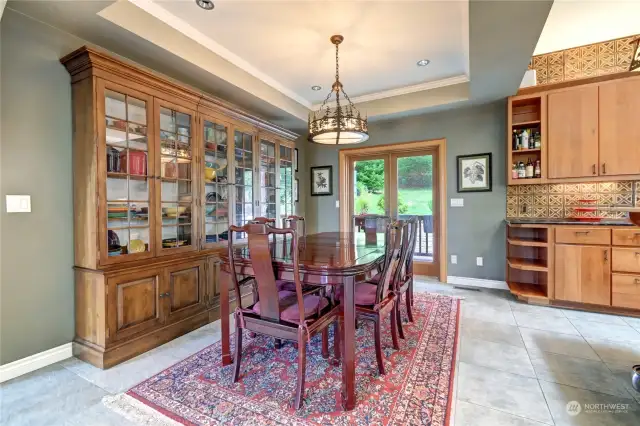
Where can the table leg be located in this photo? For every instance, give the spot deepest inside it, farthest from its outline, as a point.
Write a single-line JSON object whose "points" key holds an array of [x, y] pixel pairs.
{"points": [[349, 345], [225, 281]]}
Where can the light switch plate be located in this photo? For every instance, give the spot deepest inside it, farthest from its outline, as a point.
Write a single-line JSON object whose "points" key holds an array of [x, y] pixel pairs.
{"points": [[457, 202], [18, 203], [337, 204], [479, 261], [454, 259]]}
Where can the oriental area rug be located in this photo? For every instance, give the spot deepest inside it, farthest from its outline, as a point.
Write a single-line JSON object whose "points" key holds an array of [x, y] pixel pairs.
{"points": [[416, 390]]}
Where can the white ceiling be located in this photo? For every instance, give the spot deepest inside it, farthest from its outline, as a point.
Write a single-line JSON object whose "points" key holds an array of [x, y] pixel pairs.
{"points": [[286, 43], [573, 23]]}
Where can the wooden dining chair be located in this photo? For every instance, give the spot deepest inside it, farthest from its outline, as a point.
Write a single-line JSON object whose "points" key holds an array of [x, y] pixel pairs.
{"points": [[264, 221], [375, 300], [287, 315], [403, 281], [294, 221], [372, 224]]}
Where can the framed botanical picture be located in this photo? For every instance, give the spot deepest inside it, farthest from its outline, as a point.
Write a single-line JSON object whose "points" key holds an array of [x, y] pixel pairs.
{"points": [[296, 189], [322, 180], [295, 159], [474, 172]]}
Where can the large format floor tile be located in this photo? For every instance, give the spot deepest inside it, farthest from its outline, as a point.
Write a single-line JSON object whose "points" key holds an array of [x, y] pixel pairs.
{"points": [[622, 373], [593, 316], [510, 393], [538, 341], [537, 310], [468, 414], [600, 330], [633, 322], [499, 356], [491, 331], [578, 372], [616, 352], [544, 322], [46, 397], [488, 313], [559, 396]]}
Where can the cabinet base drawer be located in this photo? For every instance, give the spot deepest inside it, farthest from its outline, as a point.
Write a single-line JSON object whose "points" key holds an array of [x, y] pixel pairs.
{"points": [[625, 291], [583, 235], [626, 260], [626, 237]]}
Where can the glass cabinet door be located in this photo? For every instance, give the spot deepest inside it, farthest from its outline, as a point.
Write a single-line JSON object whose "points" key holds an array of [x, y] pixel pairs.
{"points": [[267, 180], [176, 164], [243, 169], [215, 175], [129, 175], [285, 185]]}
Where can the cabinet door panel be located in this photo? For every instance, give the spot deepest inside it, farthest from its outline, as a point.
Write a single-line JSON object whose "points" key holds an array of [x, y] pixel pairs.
{"points": [[567, 272], [583, 274], [620, 128], [134, 304], [625, 291], [185, 285], [573, 133]]}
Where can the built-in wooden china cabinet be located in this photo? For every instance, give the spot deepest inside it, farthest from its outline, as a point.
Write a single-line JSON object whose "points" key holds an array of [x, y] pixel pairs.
{"points": [[160, 172]]}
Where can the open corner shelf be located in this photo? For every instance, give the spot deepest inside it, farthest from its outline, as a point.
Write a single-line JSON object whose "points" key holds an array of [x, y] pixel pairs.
{"points": [[527, 264], [528, 254], [527, 242], [527, 290]]}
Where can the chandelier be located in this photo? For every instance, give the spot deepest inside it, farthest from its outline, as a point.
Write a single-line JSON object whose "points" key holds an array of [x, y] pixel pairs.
{"points": [[635, 58], [341, 124]]}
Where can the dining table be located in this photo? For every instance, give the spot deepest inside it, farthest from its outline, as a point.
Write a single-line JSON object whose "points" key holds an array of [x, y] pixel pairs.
{"points": [[325, 259]]}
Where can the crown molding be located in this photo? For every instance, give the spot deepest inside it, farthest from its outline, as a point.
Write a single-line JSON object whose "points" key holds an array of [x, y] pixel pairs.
{"points": [[429, 85]]}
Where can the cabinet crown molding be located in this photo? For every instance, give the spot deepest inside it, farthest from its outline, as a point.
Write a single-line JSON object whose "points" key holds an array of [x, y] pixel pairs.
{"points": [[83, 63]]}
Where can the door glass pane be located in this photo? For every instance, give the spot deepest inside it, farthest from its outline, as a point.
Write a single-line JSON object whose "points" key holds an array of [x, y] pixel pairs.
{"points": [[243, 163], [176, 180], [287, 206], [216, 204], [267, 179], [415, 197], [127, 174], [369, 187]]}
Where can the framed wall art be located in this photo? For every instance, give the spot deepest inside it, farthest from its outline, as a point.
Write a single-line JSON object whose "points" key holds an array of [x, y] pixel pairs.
{"points": [[322, 180], [474, 172]]}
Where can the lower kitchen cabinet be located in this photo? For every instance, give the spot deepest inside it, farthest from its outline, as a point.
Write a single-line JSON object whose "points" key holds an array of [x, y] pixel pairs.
{"points": [[626, 291], [583, 274]]}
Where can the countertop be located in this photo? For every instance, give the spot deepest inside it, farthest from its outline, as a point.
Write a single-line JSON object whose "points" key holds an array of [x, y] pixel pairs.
{"points": [[604, 222]]}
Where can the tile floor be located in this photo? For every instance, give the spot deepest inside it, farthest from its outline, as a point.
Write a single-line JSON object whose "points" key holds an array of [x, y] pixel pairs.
{"points": [[517, 365]]}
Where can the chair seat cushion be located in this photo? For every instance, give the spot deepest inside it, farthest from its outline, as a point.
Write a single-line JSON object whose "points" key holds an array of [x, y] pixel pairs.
{"points": [[287, 298], [365, 293], [311, 302]]}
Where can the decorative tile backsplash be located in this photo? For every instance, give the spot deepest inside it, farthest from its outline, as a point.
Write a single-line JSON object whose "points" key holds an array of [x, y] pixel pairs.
{"points": [[558, 200], [591, 60]]}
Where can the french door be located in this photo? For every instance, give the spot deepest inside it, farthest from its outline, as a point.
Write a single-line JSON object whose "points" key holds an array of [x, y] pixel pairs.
{"points": [[400, 185]]}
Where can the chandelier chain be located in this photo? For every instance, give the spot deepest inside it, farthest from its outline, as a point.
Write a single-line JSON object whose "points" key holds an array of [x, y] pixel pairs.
{"points": [[337, 64]]}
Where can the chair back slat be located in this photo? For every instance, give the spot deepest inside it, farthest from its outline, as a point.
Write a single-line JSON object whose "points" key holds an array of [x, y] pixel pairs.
{"points": [[392, 260], [262, 265], [293, 222], [264, 221], [410, 227]]}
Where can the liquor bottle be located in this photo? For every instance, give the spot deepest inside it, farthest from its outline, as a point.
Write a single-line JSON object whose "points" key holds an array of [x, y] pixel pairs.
{"points": [[514, 171], [529, 170], [537, 172], [516, 141], [521, 171], [537, 140], [524, 138]]}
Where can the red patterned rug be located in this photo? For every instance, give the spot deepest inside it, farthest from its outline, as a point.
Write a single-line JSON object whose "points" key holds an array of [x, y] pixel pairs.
{"points": [[417, 386]]}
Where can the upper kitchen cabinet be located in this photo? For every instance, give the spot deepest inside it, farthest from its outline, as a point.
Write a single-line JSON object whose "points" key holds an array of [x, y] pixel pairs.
{"points": [[620, 127], [573, 133]]}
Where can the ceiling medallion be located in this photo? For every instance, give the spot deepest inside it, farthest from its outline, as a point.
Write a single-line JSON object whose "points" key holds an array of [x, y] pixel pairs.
{"points": [[635, 58], [341, 124]]}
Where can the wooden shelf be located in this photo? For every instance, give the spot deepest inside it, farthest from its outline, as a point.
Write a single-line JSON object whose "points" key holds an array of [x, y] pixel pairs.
{"points": [[527, 290], [525, 151], [527, 242], [525, 123], [116, 175], [527, 264], [523, 181]]}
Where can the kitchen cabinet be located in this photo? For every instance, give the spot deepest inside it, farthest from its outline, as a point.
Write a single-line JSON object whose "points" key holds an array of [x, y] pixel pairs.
{"points": [[160, 172], [583, 274], [619, 126], [572, 133]]}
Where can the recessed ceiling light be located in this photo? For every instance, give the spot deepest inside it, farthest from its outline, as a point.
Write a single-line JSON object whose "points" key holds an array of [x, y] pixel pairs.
{"points": [[316, 88], [423, 62], [205, 4]]}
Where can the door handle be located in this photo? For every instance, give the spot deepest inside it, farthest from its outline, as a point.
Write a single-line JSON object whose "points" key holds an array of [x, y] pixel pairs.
{"points": [[582, 232], [164, 294], [594, 169], [606, 255], [637, 281], [604, 168]]}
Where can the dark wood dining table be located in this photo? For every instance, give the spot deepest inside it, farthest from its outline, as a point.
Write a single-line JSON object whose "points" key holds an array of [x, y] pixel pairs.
{"points": [[328, 259]]}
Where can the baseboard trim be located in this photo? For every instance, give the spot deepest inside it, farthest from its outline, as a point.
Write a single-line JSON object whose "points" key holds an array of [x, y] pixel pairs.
{"points": [[35, 362], [477, 282]]}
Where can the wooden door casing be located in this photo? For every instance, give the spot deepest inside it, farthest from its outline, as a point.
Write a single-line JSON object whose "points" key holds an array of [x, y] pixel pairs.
{"points": [[184, 288], [583, 274], [134, 304], [572, 127], [620, 128]]}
